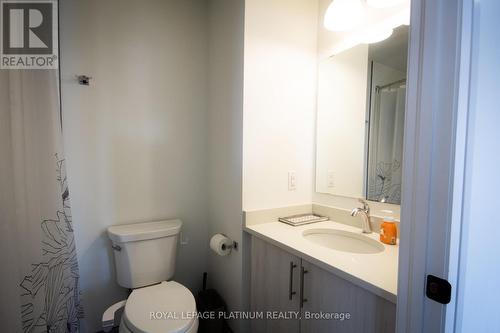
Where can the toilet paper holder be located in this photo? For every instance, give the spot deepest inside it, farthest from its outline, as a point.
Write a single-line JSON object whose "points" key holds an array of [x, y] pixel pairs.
{"points": [[222, 245], [233, 246]]}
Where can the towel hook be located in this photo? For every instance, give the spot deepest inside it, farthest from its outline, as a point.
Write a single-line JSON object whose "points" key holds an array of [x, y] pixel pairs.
{"points": [[84, 80]]}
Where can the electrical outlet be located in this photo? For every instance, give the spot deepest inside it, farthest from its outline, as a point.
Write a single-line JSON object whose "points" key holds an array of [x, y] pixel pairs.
{"points": [[331, 178], [292, 181]]}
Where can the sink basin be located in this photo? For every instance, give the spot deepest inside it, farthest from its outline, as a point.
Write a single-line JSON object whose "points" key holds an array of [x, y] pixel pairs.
{"points": [[344, 241]]}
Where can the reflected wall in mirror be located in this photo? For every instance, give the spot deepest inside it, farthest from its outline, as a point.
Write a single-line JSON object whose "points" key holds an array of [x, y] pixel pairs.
{"points": [[360, 120], [341, 114]]}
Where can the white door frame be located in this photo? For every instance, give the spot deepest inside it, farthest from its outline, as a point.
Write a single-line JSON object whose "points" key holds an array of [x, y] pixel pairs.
{"points": [[434, 159]]}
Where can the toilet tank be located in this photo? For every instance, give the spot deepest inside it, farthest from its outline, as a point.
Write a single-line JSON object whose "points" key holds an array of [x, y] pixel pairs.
{"points": [[144, 252]]}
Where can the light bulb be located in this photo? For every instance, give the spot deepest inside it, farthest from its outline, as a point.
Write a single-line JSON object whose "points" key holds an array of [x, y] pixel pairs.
{"points": [[343, 15], [384, 3]]}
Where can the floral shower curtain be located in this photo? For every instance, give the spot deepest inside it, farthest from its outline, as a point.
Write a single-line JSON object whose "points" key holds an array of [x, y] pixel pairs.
{"points": [[39, 279], [386, 145]]}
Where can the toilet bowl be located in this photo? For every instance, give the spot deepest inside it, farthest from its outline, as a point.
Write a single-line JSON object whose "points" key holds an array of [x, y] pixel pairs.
{"points": [[145, 256], [165, 307]]}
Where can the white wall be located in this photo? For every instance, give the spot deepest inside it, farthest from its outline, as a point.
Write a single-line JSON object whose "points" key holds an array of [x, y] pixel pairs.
{"points": [[328, 42], [341, 127], [279, 101], [225, 136], [135, 140], [478, 292], [282, 43]]}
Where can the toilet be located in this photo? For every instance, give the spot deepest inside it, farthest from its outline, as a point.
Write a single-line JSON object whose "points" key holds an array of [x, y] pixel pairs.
{"points": [[145, 262]]}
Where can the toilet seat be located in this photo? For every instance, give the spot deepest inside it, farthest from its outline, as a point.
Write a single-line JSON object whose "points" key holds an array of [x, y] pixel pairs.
{"points": [[165, 307]]}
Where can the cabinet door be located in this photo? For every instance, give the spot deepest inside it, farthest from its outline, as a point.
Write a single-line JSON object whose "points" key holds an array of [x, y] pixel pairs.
{"points": [[274, 286], [324, 292]]}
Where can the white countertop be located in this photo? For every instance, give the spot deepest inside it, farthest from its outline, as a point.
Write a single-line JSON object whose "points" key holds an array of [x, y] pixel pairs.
{"points": [[378, 273]]}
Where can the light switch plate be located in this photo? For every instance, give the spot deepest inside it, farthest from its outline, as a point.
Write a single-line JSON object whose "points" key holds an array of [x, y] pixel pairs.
{"points": [[331, 179], [292, 181]]}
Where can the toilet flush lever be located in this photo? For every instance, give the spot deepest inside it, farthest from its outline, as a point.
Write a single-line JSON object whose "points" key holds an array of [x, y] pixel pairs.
{"points": [[184, 240], [116, 247]]}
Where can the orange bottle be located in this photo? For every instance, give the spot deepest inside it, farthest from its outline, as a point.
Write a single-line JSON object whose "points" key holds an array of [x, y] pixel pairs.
{"points": [[388, 231]]}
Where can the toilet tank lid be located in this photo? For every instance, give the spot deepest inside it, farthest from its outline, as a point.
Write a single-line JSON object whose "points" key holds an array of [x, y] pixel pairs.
{"points": [[142, 231]]}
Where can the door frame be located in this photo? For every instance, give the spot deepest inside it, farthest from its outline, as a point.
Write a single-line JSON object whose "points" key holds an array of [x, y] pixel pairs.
{"points": [[434, 159]]}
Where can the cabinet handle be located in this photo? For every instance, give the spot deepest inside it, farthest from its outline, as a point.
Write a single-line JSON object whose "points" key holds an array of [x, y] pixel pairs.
{"points": [[290, 284], [303, 272]]}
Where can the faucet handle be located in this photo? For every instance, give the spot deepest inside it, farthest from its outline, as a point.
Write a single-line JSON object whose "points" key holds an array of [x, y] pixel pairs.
{"points": [[366, 208]]}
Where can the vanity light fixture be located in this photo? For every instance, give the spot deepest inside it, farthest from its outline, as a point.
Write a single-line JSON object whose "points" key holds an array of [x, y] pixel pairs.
{"points": [[372, 33], [374, 36], [343, 15], [384, 3]]}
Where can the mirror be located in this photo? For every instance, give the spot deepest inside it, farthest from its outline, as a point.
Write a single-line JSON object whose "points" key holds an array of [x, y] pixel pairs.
{"points": [[360, 120]]}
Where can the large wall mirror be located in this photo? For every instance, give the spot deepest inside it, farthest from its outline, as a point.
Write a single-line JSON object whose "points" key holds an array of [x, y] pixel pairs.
{"points": [[360, 120]]}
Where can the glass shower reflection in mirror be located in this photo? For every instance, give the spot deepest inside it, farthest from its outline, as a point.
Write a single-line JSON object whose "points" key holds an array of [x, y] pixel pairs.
{"points": [[360, 120]]}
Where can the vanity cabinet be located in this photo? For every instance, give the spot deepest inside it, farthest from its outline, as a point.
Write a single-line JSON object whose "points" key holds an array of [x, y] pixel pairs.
{"points": [[274, 284], [283, 282], [325, 292]]}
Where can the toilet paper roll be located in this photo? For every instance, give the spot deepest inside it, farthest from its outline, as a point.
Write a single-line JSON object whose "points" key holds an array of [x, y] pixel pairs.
{"points": [[220, 244]]}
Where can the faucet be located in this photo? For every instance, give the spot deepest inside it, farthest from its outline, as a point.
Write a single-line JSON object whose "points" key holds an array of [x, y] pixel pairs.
{"points": [[365, 216]]}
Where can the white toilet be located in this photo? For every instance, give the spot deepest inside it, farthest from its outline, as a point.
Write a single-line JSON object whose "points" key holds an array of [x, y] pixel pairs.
{"points": [[145, 261]]}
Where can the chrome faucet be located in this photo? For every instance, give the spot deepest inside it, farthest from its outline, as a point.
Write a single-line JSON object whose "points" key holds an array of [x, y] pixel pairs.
{"points": [[365, 216]]}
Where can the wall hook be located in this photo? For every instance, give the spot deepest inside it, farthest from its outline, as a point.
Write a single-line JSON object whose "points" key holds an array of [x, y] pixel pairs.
{"points": [[84, 80]]}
